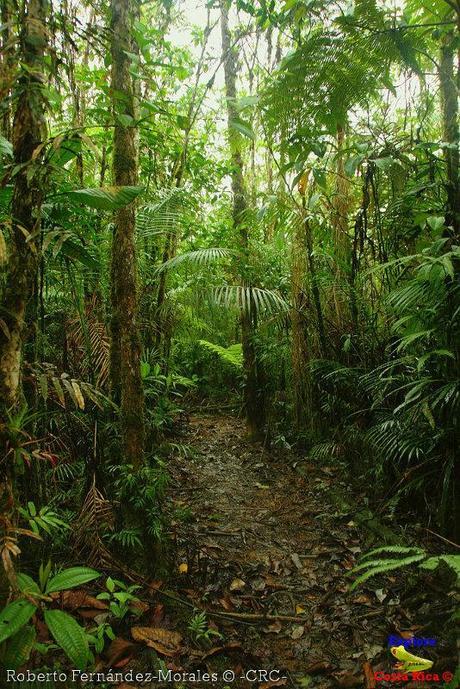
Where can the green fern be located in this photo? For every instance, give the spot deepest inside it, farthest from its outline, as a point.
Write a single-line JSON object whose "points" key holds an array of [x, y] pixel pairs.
{"points": [[413, 555], [232, 355]]}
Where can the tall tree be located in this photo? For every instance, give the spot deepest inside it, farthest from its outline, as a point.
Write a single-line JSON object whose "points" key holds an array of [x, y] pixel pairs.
{"points": [[254, 398], [27, 132], [125, 337], [449, 101]]}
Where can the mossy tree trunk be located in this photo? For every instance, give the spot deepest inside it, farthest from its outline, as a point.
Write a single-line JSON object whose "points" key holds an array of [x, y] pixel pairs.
{"points": [[125, 353], [253, 392], [449, 103], [27, 132]]}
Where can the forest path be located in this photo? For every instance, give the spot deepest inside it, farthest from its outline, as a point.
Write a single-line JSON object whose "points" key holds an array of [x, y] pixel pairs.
{"points": [[257, 537]]}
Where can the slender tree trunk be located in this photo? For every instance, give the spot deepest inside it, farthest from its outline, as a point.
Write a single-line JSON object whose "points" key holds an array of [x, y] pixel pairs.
{"points": [[125, 341], [7, 69], [28, 127], [254, 398], [449, 103], [341, 242], [301, 351]]}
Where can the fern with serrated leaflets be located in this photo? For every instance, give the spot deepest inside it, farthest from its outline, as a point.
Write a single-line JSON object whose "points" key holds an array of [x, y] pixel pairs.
{"points": [[413, 555]]}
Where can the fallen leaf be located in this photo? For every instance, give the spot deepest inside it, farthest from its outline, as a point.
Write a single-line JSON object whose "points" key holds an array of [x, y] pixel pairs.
{"points": [[299, 610], [158, 615], [89, 614], [273, 628], [369, 675], [119, 648], [261, 486], [237, 585], [296, 560], [164, 642], [226, 603], [297, 631], [364, 599], [71, 600], [380, 595], [139, 606], [348, 679], [232, 646], [258, 584], [279, 683]]}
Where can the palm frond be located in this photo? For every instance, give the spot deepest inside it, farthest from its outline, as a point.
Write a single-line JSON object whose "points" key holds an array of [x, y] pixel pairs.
{"points": [[199, 257], [250, 299]]}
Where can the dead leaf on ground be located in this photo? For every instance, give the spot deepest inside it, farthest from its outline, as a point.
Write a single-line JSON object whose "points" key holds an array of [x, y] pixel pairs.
{"points": [[297, 631], [232, 646], [139, 606], [274, 628], [71, 600], [158, 614], [226, 603], [91, 613], [119, 648], [278, 683], [237, 585], [369, 675], [296, 560], [164, 642], [364, 599], [348, 679]]}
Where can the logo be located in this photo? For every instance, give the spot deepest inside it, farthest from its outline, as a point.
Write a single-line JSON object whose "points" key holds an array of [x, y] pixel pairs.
{"points": [[410, 667], [409, 662]]}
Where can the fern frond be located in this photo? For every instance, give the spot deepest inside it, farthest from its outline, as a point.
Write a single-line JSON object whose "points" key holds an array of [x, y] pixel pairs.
{"points": [[387, 567], [232, 355]]}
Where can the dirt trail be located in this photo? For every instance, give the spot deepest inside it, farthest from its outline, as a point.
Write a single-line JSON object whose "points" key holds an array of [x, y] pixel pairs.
{"points": [[256, 537]]}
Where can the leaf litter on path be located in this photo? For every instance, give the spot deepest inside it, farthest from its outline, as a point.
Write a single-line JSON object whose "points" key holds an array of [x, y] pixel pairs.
{"points": [[288, 558]]}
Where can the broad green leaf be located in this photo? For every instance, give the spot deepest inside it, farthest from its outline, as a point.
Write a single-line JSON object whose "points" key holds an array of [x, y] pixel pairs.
{"points": [[6, 148], [17, 650], [69, 636], [242, 128], [126, 120], [15, 616], [69, 578], [104, 198], [27, 585], [436, 222], [384, 163]]}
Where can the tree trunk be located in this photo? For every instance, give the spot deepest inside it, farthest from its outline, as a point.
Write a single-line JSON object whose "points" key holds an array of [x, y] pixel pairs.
{"points": [[7, 69], [253, 394], [300, 352], [341, 243], [449, 103], [125, 355], [28, 127]]}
